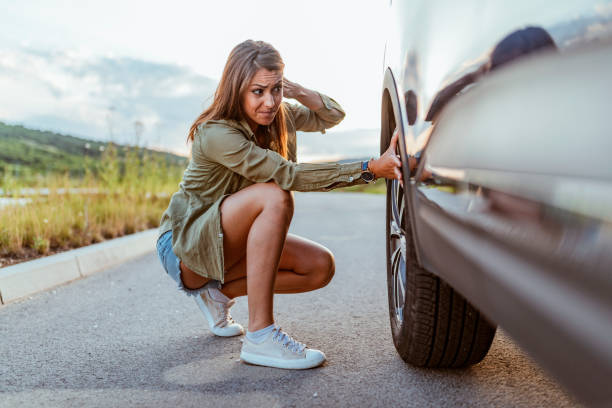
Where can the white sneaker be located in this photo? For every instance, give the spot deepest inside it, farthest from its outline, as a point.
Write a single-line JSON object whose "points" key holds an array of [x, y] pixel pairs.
{"points": [[281, 351], [218, 315]]}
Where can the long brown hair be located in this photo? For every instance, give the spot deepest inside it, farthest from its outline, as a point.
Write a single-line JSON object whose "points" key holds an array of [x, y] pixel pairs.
{"points": [[243, 62]]}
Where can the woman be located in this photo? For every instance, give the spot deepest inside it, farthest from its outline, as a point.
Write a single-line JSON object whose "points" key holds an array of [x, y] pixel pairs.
{"points": [[224, 233]]}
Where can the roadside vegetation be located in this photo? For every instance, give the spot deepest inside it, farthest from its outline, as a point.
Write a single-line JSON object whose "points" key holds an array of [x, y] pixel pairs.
{"points": [[78, 195], [31, 155]]}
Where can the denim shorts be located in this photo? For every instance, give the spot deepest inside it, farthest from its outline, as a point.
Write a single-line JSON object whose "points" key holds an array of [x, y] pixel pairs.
{"points": [[171, 264]]}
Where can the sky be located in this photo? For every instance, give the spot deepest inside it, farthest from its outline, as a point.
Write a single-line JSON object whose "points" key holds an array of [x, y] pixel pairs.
{"points": [[95, 68]]}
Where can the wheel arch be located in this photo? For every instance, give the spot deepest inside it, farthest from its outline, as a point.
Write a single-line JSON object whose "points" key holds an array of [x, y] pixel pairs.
{"points": [[394, 115]]}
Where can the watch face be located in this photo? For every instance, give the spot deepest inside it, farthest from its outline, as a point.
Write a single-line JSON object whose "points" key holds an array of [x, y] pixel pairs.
{"points": [[367, 176]]}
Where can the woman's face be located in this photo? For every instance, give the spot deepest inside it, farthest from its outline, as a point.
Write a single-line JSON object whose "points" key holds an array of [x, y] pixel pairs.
{"points": [[263, 97]]}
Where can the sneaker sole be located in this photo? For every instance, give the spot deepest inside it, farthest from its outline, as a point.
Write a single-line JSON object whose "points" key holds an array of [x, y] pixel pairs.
{"points": [[209, 318], [260, 360]]}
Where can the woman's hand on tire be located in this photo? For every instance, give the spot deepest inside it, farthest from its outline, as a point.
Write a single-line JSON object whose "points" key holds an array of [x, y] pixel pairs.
{"points": [[389, 164]]}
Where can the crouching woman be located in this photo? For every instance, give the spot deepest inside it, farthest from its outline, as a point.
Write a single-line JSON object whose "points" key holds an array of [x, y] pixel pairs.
{"points": [[225, 232]]}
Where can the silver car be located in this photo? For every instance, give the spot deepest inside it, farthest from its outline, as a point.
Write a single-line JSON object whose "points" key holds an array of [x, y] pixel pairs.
{"points": [[505, 216]]}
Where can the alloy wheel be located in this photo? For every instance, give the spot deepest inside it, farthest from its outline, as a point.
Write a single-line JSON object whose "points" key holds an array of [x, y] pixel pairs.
{"points": [[397, 248]]}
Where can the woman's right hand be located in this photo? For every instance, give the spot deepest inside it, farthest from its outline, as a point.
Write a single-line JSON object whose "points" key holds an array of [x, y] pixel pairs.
{"points": [[388, 165]]}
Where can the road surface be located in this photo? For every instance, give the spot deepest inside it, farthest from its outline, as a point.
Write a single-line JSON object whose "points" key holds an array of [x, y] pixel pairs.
{"points": [[126, 337]]}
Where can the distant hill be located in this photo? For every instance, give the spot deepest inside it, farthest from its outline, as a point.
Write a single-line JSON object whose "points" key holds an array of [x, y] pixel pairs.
{"points": [[29, 152]]}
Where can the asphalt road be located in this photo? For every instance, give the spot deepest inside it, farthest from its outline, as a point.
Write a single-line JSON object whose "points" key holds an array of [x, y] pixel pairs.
{"points": [[126, 337]]}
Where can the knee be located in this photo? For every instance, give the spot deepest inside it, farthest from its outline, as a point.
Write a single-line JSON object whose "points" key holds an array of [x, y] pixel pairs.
{"points": [[277, 199], [325, 267]]}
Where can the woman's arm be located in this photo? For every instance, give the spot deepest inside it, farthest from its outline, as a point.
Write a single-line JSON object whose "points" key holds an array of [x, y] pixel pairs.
{"points": [[228, 146], [231, 148], [388, 165]]}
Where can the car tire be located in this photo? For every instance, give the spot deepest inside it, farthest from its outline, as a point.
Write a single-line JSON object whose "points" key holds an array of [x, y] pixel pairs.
{"points": [[431, 323]]}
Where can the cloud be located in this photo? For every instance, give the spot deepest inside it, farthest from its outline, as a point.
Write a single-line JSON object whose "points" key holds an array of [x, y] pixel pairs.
{"points": [[604, 10], [102, 97]]}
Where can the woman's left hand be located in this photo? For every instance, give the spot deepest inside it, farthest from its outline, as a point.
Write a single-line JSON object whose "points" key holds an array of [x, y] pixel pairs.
{"points": [[388, 165]]}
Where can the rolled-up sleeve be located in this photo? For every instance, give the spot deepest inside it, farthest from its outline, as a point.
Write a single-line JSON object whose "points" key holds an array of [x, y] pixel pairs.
{"points": [[306, 120], [231, 148]]}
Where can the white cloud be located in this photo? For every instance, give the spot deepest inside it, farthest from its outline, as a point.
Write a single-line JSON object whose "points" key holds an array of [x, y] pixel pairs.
{"points": [[335, 47], [604, 10], [100, 97]]}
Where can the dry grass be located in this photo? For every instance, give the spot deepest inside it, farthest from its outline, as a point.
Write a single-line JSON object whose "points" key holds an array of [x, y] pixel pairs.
{"points": [[130, 196]]}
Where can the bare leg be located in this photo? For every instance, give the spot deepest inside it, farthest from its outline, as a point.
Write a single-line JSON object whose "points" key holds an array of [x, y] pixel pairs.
{"points": [[255, 221], [304, 266], [191, 280]]}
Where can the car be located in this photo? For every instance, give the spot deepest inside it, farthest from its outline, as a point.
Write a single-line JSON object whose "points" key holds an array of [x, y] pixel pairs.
{"points": [[504, 217]]}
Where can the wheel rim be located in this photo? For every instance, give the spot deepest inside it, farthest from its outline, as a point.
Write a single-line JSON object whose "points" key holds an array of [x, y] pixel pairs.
{"points": [[397, 240]]}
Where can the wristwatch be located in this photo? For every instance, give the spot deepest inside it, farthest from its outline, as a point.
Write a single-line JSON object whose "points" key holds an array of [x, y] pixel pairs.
{"points": [[366, 174]]}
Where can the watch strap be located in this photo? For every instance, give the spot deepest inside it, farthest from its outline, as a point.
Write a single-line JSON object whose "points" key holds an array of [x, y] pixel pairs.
{"points": [[366, 174]]}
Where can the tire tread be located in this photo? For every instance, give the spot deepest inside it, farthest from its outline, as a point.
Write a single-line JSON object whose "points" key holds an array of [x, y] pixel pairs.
{"points": [[440, 327]]}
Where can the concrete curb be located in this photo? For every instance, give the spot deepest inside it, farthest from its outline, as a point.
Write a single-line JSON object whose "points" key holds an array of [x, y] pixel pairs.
{"points": [[31, 277]]}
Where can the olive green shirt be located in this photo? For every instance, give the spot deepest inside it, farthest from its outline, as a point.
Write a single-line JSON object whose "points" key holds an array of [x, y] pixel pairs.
{"points": [[225, 158]]}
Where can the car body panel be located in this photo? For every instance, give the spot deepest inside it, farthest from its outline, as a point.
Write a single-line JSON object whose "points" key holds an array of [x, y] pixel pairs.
{"points": [[517, 212]]}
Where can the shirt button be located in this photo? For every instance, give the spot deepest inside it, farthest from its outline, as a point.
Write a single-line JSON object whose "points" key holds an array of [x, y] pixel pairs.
{"points": [[220, 234], [350, 178]]}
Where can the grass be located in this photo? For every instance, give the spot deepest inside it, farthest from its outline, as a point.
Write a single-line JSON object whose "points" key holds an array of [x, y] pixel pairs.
{"points": [[378, 187], [129, 195]]}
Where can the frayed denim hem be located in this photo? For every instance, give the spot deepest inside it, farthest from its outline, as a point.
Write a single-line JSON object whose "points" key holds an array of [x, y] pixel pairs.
{"points": [[182, 288], [172, 265], [198, 291]]}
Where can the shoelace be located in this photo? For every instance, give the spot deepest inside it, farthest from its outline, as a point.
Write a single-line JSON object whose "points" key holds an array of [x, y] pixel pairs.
{"points": [[224, 309], [287, 341]]}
